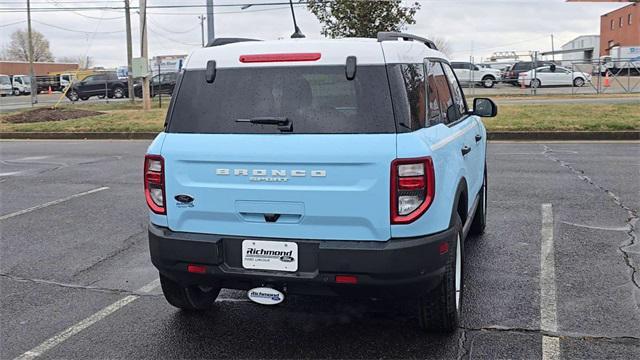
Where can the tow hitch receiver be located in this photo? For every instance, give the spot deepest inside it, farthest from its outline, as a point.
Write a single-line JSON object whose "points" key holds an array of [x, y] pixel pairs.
{"points": [[265, 296]]}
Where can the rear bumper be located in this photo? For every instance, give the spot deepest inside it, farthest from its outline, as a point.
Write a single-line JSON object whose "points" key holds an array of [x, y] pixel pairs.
{"points": [[406, 267]]}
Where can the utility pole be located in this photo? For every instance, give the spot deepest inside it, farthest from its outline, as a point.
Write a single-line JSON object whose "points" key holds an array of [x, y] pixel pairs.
{"points": [[202, 18], [144, 53], [127, 17], [210, 29], [553, 50], [32, 73]]}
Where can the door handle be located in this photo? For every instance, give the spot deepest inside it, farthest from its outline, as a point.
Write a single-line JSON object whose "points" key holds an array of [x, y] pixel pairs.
{"points": [[465, 150], [478, 138]]}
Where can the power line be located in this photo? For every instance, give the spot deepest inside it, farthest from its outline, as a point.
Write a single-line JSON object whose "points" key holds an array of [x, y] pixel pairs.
{"points": [[57, 4], [173, 31], [13, 23], [77, 31], [168, 38], [181, 6]]}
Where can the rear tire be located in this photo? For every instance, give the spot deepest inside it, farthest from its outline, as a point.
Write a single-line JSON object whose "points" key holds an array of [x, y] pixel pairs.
{"points": [[535, 83], [192, 298], [480, 218], [439, 311]]}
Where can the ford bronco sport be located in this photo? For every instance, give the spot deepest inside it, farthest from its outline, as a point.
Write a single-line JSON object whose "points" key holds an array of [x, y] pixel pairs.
{"points": [[326, 167]]}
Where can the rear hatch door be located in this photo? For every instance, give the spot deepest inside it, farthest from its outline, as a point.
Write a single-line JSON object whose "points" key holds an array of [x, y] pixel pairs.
{"points": [[325, 178]]}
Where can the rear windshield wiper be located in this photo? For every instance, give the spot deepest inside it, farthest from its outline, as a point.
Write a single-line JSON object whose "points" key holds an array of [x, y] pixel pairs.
{"points": [[284, 124]]}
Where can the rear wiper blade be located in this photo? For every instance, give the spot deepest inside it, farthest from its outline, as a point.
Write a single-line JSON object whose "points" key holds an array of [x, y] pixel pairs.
{"points": [[284, 124]]}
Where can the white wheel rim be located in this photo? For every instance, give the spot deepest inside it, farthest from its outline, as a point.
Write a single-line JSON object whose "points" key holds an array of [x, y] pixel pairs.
{"points": [[484, 199], [458, 273]]}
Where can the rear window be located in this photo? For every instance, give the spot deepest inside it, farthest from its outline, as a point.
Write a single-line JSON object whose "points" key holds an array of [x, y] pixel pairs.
{"points": [[521, 66], [315, 99]]}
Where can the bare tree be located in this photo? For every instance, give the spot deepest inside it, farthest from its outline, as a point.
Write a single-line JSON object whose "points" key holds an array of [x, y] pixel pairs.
{"points": [[84, 62], [442, 44], [18, 48]]}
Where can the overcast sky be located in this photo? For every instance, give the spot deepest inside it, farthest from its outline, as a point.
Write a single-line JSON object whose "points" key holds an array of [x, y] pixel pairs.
{"points": [[482, 25]]}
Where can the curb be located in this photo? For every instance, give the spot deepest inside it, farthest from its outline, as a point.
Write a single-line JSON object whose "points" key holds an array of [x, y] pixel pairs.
{"points": [[497, 135], [79, 135], [564, 135]]}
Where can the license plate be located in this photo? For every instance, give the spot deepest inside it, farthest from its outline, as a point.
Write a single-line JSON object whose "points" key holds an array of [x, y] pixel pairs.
{"points": [[270, 255]]}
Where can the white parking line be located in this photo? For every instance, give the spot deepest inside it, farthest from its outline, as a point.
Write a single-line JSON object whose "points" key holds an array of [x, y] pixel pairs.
{"points": [[75, 329], [548, 310], [50, 203]]}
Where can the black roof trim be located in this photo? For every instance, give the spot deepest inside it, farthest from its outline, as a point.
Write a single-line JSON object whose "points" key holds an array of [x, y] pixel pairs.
{"points": [[394, 36], [225, 41]]}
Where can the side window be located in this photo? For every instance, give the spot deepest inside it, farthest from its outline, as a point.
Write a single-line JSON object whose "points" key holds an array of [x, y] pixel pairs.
{"points": [[441, 86], [413, 76], [456, 92], [434, 116], [18, 80]]}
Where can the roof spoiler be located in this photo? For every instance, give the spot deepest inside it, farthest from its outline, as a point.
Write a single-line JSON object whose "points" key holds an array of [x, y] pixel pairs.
{"points": [[394, 36], [226, 41]]}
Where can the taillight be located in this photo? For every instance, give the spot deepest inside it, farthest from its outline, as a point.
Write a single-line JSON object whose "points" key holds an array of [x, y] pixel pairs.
{"points": [[413, 188], [154, 183]]}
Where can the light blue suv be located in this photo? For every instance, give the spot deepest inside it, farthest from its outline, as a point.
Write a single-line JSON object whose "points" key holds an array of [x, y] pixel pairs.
{"points": [[322, 167]]}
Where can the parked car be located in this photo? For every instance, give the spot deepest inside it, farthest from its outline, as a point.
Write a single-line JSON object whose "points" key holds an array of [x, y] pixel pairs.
{"points": [[322, 167], [512, 75], [5, 85], [101, 84], [469, 73], [554, 76], [159, 84]]}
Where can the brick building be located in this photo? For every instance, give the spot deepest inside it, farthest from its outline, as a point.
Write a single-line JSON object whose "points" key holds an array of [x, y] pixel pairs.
{"points": [[40, 68], [620, 27]]}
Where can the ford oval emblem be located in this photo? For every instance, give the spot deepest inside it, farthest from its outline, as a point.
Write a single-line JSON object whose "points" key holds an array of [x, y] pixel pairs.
{"points": [[265, 296], [183, 198], [286, 258]]}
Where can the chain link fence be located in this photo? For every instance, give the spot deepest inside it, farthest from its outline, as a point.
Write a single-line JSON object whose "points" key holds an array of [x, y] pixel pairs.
{"points": [[621, 76]]}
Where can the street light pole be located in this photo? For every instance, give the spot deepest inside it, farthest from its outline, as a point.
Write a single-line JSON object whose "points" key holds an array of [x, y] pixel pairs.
{"points": [[202, 18], [144, 53], [210, 29], [127, 16], [32, 73]]}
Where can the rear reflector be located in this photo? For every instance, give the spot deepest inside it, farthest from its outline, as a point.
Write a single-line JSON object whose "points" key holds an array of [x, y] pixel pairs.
{"points": [[443, 248], [346, 279], [258, 58], [196, 269]]}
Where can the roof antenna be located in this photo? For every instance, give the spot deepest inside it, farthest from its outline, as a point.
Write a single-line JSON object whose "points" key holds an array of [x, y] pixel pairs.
{"points": [[297, 33]]}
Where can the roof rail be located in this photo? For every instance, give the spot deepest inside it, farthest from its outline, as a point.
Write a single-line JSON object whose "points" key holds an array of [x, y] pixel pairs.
{"points": [[225, 41], [393, 36]]}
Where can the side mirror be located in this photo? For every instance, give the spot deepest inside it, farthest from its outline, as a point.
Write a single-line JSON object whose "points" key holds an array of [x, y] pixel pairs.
{"points": [[552, 67], [484, 107]]}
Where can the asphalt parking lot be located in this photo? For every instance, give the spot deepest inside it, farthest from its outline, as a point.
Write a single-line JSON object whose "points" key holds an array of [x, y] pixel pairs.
{"points": [[556, 273]]}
